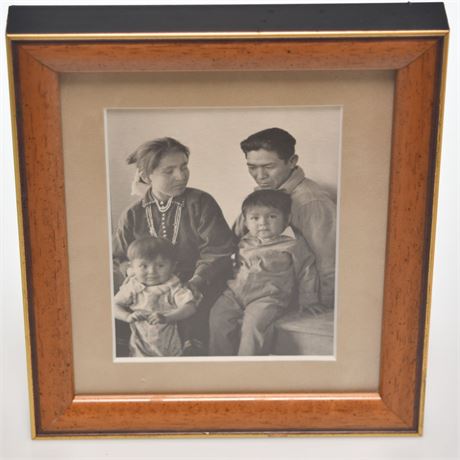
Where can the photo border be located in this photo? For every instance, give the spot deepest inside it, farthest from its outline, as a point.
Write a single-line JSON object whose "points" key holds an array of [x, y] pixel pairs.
{"points": [[332, 356], [419, 58]]}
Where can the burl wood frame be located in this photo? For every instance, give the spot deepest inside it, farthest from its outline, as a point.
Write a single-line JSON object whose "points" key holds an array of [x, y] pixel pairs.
{"points": [[396, 407]]}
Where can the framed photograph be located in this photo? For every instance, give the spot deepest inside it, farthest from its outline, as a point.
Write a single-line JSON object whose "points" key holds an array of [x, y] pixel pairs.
{"points": [[227, 215]]}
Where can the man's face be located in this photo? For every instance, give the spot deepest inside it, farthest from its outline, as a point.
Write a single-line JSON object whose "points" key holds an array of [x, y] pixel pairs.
{"points": [[268, 169]]}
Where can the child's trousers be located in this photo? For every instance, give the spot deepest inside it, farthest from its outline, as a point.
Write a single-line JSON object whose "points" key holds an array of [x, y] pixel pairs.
{"points": [[243, 330]]}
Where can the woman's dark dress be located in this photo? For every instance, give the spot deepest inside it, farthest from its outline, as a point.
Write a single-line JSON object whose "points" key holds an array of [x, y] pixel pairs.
{"points": [[204, 245]]}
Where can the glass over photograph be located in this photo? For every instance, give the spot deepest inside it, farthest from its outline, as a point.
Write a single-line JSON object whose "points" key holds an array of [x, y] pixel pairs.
{"points": [[224, 231]]}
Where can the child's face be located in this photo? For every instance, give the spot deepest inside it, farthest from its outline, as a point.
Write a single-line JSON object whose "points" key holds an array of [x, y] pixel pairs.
{"points": [[265, 222], [152, 272]]}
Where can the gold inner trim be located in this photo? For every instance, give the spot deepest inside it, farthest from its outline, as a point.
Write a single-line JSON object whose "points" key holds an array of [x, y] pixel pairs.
{"points": [[442, 95], [22, 251], [242, 434], [227, 35]]}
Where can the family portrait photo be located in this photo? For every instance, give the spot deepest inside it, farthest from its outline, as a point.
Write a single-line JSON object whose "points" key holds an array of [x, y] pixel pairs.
{"points": [[224, 226]]}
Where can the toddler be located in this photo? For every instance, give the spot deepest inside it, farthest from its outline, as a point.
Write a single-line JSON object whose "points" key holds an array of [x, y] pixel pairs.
{"points": [[152, 299], [275, 267]]}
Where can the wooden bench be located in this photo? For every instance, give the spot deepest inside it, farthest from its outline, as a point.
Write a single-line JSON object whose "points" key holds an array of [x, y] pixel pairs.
{"points": [[304, 334]]}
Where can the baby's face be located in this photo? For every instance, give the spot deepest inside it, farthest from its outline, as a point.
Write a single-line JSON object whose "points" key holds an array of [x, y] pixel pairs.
{"points": [[152, 272], [264, 222]]}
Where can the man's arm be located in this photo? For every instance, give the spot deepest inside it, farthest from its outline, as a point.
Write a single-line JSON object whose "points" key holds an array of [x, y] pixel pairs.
{"points": [[307, 277], [316, 221]]}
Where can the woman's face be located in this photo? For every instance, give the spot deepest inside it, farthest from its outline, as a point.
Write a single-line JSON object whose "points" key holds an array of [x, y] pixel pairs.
{"points": [[171, 175]]}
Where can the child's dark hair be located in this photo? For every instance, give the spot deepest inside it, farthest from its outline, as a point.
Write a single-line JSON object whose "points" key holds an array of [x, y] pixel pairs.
{"points": [[276, 199], [273, 139], [150, 248], [148, 155]]}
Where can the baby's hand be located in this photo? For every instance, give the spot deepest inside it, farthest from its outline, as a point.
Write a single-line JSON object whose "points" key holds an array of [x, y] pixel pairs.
{"points": [[156, 318], [138, 315], [166, 318], [162, 318]]}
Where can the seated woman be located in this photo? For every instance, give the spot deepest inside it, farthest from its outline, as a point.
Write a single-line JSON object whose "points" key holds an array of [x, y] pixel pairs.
{"points": [[189, 218]]}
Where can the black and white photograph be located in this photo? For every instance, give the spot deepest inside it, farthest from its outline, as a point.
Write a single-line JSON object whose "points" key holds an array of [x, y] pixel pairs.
{"points": [[224, 231], [228, 228]]}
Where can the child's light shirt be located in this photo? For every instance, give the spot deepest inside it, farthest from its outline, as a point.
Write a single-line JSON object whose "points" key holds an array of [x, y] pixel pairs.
{"points": [[153, 339]]}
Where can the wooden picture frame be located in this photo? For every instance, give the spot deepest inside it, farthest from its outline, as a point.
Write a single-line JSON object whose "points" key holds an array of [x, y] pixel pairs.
{"points": [[44, 42]]}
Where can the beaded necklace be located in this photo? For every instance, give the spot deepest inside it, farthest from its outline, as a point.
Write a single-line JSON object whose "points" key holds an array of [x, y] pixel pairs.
{"points": [[163, 208]]}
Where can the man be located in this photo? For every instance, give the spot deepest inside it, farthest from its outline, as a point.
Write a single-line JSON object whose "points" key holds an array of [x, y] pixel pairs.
{"points": [[272, 162]]}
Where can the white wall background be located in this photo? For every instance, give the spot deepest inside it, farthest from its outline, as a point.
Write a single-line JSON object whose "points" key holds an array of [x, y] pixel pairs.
{"points": [[440, 439]]}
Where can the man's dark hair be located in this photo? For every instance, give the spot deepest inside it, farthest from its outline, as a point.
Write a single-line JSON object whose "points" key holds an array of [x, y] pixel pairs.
{"points": [[276, 199], [149, 248], [273, 139]]}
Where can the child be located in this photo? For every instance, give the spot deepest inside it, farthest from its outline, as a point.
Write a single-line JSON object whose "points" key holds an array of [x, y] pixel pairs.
{"points": [[275, 267], [152, 299]]}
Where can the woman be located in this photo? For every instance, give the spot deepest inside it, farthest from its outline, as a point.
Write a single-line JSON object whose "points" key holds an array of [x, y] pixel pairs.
{"points": [[189, 218]]}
